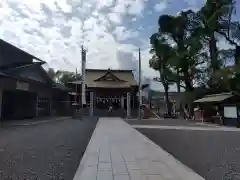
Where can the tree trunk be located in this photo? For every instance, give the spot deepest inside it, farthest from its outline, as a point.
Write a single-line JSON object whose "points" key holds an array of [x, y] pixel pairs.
{"points": [[168, 104], [178, 82], [237, 55], [189, 88], [188, 82], [213, 53], [236, 84]]}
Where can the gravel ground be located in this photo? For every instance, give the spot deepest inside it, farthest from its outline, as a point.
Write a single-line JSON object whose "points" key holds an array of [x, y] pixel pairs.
{"points": [[166, 122], [49, 151], [214, 155]]}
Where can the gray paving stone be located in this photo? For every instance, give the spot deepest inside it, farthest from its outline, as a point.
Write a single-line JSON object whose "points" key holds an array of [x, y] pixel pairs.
{"points": [[132, 166], [88, 173], [107, 166], [155, 177], [104, 175], [122, 153], [137, 175], [119, 168], [92, 160], [104, 158], [121, 177]]}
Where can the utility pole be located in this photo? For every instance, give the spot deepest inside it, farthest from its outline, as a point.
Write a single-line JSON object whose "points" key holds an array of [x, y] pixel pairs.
{"points": [[139, 84], [83, 76], [76, 87]]}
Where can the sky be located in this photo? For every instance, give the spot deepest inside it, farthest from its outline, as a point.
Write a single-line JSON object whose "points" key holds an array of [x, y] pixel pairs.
{"points": [[112, 31]]}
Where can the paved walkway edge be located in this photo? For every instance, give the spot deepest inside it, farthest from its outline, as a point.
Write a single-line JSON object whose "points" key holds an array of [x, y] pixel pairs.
{"points": [[84, 158], [190, 128], [165, 163]]}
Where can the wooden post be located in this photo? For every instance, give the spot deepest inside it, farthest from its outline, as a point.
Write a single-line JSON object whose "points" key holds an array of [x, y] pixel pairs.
{"points": [[91, 103], [1, 92], [128, 104], [50, 106], [37, 106], [122, 102]]}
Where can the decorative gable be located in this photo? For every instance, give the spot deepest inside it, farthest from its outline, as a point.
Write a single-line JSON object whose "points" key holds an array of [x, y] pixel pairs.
{"points": [[109, 77]]}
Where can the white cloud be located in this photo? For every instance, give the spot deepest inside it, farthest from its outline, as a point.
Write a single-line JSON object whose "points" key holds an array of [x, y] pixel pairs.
{"points": [[115, 18], [191, 3], [122, 33], [161, 6], [104, 3], [136, 7], [54, 30]]}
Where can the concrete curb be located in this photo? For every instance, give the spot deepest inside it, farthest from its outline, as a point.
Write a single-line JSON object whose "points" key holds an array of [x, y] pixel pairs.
{"points": [[190, 128], [84, 158]]}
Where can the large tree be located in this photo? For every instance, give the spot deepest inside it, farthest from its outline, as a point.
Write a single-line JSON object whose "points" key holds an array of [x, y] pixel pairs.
{"points": [[214, 19], [187, 45], [161, 53], [63, 77]]}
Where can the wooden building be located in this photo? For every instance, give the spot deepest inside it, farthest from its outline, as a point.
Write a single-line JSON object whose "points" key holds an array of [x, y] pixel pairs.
{"points": [[26, 90], [220, 108], [110, 88]]}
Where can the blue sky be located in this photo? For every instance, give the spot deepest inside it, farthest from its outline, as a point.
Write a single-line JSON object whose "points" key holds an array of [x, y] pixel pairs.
{"points": [[111, 30]]}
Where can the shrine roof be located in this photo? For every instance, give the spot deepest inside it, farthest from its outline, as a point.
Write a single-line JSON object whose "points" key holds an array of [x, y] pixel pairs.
{"points": [[124, 78]]}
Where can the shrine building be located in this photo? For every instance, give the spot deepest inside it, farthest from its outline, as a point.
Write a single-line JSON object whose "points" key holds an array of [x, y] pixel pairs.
{"points": [[109, 88]]}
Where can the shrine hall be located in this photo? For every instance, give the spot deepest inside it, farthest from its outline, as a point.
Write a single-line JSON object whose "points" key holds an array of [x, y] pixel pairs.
{"points": [[116, 88]]}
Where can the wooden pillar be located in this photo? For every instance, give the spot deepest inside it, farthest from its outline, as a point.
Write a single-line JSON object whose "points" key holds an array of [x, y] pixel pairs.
{"points": [[36, 106], [133, 102], [122, 102], [91, 103], [1, 92], [50, 106], [128, 104]]}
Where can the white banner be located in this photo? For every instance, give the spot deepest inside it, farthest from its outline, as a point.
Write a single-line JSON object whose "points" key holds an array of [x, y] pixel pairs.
{"points": [[230, 112]]}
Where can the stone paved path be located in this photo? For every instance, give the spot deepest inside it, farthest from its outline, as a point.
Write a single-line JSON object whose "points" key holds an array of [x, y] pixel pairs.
{"points": [[116, 151]]}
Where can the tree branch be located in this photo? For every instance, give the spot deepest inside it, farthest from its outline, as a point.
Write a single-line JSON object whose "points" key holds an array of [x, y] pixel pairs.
{"points": [[227, 38]]}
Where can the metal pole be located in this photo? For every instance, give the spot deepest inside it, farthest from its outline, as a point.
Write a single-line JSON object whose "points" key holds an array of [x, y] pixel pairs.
{"points": [[76, 88], [139, 84], [83, 76]]}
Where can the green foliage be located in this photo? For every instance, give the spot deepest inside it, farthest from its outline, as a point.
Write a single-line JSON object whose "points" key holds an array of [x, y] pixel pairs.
{"points": [[185, 51], [161, 53], [63, 77]]}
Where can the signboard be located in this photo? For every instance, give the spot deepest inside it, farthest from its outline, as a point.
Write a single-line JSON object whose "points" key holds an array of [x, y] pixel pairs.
{"points": [[22, 86], [230, 112]]}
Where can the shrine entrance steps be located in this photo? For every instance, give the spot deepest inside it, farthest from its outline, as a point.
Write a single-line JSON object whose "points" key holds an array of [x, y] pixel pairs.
{"points": [[115, 113], [122, 113]]}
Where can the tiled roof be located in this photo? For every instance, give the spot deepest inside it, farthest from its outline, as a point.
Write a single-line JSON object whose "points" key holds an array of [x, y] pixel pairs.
{"points": [[215, 98], [125, 75], [8, 45]]}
